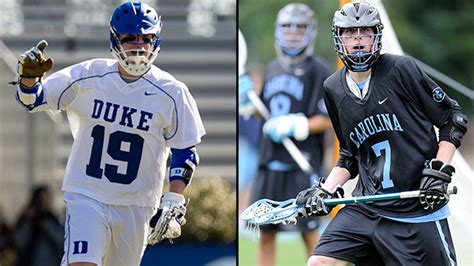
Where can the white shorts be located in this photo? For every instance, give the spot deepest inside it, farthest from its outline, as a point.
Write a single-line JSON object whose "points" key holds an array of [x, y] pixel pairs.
{"points": [[104, 234]]}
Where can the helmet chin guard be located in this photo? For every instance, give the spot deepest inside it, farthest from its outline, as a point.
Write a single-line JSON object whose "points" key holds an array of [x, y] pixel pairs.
{"points": [[135, 18]]}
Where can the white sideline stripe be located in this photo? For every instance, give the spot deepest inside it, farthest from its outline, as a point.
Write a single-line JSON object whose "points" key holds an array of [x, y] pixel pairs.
{"points": [[9, 58], [445, 244], [462, 167]]}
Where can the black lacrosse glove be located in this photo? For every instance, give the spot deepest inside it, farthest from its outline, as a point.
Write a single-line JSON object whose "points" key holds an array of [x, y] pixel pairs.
{"points": [[434, 183], [312, 199]]}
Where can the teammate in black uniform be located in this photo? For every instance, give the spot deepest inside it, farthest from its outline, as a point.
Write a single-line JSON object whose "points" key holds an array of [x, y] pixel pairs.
{"points": [[293, 94], [383, 109]]}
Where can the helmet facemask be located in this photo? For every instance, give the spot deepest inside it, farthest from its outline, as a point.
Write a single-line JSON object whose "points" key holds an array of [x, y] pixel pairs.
{"points": [[135, 61], [359, 60], [294, 34]]}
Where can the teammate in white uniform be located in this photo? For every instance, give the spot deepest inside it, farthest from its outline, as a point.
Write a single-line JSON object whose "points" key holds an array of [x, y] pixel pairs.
{"points": [[126, 116]]}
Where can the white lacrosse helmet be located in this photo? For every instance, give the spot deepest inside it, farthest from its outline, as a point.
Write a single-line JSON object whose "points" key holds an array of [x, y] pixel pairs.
{"points": [[295, 33]]}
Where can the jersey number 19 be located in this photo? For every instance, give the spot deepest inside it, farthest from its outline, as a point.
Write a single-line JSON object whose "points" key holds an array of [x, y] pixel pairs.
{"points": [[132, 157]]}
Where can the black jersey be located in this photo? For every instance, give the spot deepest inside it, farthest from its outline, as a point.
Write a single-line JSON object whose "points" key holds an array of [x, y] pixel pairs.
{"points": [[387, 136], [297, 90]]}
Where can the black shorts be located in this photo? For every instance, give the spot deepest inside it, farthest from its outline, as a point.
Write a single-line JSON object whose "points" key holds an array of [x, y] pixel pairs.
{"points": [[368, 239], [279, 186]]}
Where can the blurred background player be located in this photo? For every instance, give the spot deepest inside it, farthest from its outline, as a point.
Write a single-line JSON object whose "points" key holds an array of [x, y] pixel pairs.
{"points": [[383, 109], [292, 91], [127, 116], [39, 236]]}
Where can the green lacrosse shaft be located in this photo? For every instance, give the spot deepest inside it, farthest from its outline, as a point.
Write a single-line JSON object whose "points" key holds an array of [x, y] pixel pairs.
{"points": [[389, 196]]}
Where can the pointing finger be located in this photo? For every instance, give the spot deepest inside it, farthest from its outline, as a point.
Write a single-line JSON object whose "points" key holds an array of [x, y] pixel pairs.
{"points": [[42, 45]]}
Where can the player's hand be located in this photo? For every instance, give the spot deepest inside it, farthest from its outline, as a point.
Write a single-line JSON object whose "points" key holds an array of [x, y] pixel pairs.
{"points": [[246, 108], [434, 183], [292, 125], [313, 199], [167, 222], [32, 63]]}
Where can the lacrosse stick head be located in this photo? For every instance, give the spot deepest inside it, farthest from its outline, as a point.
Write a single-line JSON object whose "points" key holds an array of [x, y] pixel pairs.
{"points": [[267, 211], [166, 227]]}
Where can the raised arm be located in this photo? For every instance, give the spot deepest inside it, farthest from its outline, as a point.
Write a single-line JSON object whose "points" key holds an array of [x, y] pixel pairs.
{"points": [[31, 67]]}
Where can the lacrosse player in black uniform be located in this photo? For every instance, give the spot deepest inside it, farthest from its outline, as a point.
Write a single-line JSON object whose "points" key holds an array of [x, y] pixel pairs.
{"points": [[293, 94], [383, 109]]}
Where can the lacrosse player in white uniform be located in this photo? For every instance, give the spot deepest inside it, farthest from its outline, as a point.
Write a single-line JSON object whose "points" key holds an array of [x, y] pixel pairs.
{"points": [[126, 116]]}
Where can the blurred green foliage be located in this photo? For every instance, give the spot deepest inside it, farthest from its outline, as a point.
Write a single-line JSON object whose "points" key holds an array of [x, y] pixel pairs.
{"points": [[437, 32], [211, 213]]}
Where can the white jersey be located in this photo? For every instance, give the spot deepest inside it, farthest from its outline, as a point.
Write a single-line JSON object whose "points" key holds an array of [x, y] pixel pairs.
{"points": [[122, 131]]}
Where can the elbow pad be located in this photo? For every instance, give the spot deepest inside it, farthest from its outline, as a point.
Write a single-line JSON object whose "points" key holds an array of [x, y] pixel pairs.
{"points": [[30, 98], [183, 164], [454, 130]]}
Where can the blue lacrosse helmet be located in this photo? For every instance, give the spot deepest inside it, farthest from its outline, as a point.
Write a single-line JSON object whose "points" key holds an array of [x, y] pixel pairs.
{"points": [[135, 18]]}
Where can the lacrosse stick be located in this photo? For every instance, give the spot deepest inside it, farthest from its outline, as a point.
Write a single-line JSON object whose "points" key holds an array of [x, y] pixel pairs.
{"points": [[267, 211]]}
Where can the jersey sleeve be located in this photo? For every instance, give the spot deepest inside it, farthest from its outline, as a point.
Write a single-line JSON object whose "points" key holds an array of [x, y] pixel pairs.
{"points": [[61, 88], [436, 105], [186, 128], [316, 104], [346, 159]]}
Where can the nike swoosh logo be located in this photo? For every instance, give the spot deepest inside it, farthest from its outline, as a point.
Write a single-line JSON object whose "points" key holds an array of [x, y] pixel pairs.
{"points": [[149, 93], [382, 101]]}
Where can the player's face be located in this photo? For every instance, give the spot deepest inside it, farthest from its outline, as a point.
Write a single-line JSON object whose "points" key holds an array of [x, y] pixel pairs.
{"points": [[294, 34], [358, 39]]}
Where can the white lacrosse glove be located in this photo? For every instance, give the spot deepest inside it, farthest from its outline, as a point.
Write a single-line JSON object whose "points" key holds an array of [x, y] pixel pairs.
{"points": [[167, 222], [292, 125], [246, 108]]}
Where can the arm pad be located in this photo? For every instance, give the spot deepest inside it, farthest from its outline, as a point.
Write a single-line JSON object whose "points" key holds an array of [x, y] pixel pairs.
{"points": [[31, 98], [183, 164], [454, 130]]}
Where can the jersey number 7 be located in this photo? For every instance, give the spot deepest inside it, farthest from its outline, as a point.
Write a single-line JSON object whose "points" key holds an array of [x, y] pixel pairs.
{"points": [[132, 157], [378, 148]]}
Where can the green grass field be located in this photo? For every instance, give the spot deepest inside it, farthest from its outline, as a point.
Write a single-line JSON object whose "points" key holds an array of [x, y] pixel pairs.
{"points": [[290, 250]]}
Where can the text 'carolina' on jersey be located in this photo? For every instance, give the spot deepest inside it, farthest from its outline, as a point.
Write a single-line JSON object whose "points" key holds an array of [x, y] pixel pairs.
{"points": [[374, 124]]}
